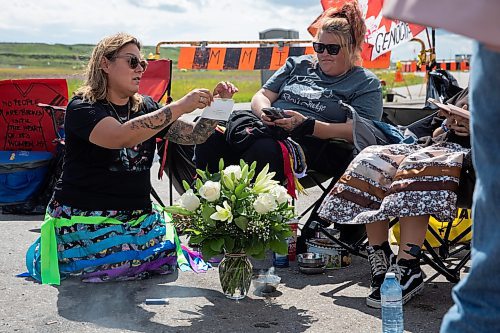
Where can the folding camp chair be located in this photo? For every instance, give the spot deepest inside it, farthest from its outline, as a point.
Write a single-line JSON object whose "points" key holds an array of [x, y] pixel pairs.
{"points": [[436, 256], [448, 244], [156, 82], [349, 234]]}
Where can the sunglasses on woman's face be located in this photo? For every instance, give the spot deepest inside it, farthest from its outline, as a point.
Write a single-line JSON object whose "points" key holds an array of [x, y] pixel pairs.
{"points": [[134, 61], [332, 49]]}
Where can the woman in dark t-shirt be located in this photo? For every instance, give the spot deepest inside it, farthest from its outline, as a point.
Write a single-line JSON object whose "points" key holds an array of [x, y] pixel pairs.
{"points": [[312, 90], [100, 222]]}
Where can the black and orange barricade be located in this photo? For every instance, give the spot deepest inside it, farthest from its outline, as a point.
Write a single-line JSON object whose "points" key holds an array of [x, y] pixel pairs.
{"points": [[412, 66], [269, 54]]}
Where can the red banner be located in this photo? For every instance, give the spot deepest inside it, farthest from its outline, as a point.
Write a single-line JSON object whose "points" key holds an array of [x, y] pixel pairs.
{"points": [[382, 34], [24, 125]]}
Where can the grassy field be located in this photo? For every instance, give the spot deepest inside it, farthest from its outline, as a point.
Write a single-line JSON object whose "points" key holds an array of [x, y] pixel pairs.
{"points": [[31, 60]]}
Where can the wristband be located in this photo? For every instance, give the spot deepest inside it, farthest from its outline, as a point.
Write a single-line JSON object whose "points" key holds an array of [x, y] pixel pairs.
{"points": [[305, 128], [444, 127]]}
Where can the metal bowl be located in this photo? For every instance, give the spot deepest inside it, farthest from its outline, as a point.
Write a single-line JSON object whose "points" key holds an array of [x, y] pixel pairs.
{"points": [[312, 270], [311, 260], [266, 283]]}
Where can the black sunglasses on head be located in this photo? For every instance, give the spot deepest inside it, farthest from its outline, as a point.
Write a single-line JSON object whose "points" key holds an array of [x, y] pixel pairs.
{"points": [[332, 49], [133, 61]]}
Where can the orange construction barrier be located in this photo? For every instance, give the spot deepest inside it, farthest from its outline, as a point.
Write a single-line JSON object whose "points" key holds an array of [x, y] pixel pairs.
{"points": [[411, 66], [238, 58]]}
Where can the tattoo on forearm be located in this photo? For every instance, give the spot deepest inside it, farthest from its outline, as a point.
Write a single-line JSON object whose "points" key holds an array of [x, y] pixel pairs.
{"points": [[155, 121], [187, 134]]}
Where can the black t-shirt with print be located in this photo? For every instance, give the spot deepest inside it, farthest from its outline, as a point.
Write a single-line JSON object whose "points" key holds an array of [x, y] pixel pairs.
{"points": [[97, 178]]}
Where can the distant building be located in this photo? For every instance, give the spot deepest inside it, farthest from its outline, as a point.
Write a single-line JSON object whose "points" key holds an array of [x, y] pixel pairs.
{"points": [[462, 57]]}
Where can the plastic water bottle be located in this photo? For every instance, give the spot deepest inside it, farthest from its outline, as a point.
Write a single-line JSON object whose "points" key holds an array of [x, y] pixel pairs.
{"points": [[392, 305]]}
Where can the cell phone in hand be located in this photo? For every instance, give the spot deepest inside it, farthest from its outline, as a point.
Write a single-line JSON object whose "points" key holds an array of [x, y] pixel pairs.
{"points": [[275, 113]]}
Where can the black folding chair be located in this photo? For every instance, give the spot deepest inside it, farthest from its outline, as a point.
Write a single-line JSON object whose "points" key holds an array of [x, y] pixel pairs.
{"points": [[436, 257]]}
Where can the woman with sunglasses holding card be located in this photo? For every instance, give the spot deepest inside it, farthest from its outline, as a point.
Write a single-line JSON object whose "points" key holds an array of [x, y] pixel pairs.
{"points": [[309, 89], [100, 222]]}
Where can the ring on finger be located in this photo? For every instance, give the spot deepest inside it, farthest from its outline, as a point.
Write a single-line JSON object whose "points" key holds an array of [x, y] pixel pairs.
{"points": [[202, 99]]}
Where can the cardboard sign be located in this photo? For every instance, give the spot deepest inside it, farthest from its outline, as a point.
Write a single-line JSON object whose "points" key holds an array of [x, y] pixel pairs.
{"points": [[23, 124]]}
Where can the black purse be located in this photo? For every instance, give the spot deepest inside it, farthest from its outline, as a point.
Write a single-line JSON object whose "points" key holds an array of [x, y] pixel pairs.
{"points": [[467, 183]]}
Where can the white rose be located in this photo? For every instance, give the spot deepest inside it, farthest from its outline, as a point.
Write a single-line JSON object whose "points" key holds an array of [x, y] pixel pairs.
{"points": [[264, 203], [189, 200], [280, 194], [233, 169], [210, 191]]}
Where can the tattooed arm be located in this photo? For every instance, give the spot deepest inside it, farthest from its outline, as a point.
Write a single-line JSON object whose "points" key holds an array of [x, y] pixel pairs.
{"points": [[189, 133], [109, 133]]}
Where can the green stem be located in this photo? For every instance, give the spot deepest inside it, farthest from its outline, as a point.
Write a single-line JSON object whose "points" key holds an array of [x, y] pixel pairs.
{"points": [[235, 274]]}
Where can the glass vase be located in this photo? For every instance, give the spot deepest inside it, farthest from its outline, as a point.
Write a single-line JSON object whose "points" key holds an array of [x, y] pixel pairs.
{"points": [[235, 275]]}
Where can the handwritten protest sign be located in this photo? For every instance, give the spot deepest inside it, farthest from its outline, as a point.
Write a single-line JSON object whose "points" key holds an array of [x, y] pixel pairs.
{"points": [[23, 124]]}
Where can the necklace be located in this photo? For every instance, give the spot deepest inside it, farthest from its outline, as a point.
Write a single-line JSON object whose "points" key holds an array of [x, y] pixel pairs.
{"points": [[120, 119]]}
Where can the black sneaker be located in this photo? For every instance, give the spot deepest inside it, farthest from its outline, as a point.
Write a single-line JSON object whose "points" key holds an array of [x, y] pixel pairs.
{"points": [[380, 259], [410, 276]]}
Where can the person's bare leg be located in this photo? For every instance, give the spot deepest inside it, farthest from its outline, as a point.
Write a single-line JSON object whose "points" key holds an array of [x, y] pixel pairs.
{"points": [[413, 231], [377, 232]]}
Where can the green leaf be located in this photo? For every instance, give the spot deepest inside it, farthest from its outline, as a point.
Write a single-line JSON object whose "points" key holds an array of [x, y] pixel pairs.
{"points": [[241, 222], [178, 210], [239, 189], [195, 239], [255, 248], [216, 244], [206, 212], [229, 243], [245, 195], [215, 177], [260, 256], [253, 165], [207, 252], [280, 247], [185, 184]]}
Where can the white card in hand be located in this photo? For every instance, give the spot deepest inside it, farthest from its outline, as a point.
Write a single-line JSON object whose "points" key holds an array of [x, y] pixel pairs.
{"points": [[220, 109]]}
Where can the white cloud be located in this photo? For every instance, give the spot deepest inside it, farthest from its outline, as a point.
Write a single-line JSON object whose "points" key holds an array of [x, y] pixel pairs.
{"points": [[447, 46], [87, 21], [61, 21]]}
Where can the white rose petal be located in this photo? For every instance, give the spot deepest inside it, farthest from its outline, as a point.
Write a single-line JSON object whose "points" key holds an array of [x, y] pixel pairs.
{"points": [[280, 194], [210, 191], [189, 200], [233, 169], [265, 203]]}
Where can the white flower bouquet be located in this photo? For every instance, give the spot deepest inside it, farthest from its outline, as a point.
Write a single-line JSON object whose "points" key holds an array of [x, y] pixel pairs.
{"points": [[234, 211]]}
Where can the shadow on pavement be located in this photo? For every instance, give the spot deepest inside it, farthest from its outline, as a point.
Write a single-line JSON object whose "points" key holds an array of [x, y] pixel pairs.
{"points": [[247, 315], [431, 304], [121, 306], [110, 305]]}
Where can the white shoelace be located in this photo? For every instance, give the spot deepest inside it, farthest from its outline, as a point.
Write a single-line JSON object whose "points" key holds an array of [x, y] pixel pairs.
{"points": [[378, 262], [396, 269]]}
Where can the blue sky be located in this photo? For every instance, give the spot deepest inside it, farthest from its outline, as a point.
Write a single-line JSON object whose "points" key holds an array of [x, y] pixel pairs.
{"points": [[87, 21]]}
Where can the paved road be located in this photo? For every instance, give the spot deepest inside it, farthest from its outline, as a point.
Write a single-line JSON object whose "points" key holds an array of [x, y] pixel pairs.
{"points": [[333, 301], [328, 302]]}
